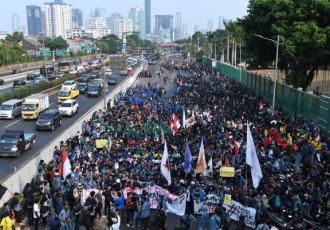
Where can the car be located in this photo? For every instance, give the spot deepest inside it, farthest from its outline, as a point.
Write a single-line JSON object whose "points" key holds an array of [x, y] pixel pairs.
{"points": [[69, 85], [82, 87], [51, 77], [19, 82], [68, 107], [94, 74], [2, 81], [31, 76], [94, 90], [112, 80], [84, 78], [60, 75], [15, 71], [49, 120], [98, 81], [40, 79], [73, 71], [129, 67], [108, 72], [123, 72], [16, 87]]}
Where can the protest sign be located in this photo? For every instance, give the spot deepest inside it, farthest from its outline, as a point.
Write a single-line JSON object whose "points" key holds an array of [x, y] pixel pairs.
{"points": [[227, 199], [211, 201], [177, 205], [236, 209]]}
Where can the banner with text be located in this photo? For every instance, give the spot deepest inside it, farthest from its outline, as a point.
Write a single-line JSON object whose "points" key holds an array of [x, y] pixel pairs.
{"points": [[236, 209], [211, 201]]}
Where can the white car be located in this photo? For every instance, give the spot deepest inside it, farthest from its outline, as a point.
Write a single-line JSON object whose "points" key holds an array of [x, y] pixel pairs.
{"points": [[108, 72], [69, 85], [68, 107], [73, 71]]}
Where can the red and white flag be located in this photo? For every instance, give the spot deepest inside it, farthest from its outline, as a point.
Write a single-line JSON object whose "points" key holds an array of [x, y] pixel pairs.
{"points": [[165, 166], [219, 163], [261, 105], [190, 121], [175, 124], [201, 163], [65, 168], [236, 147], [317, 136]]}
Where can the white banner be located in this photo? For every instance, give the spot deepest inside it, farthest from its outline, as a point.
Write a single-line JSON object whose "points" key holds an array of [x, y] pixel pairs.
{"points": [[236, 209], [177, 205], [211, 201]]}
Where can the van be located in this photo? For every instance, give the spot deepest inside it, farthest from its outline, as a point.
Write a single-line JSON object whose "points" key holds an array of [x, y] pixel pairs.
{"points": [[10, 109], [94, 90], [49, 120]]}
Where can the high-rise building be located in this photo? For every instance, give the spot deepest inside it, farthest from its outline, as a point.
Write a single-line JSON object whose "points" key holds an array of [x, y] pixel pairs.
{"points": [[111, 21], [43, 21], [100, 12], [123, 27], [77, 18], [185, 31], [163, 22], [138, 18], [96, 23], [209, 25], [33, 14], [58, 19], [221, 26], [147, 9], [15, 21], [197, 28], [178, 27]]}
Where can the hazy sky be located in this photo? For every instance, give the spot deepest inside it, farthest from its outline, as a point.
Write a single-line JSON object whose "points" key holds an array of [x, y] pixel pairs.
{"points": [[194, 12]]}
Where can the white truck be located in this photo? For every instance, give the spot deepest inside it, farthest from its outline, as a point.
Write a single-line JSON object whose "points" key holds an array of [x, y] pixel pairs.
{"points": [[33, 105]]}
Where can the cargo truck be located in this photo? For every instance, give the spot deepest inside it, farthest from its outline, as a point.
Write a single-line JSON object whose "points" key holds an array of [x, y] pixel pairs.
{"points": [[63, 95], [14, 142], [33, 105]]}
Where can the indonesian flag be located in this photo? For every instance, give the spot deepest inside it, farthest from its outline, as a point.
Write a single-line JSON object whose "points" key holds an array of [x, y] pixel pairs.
{"points": [[201, 163], [261, 105], [175, 124], [317, 136], [180, 82], [165, 166], [227, 162], [236, 147], [190, 121], [219, 163], [65, 168]]}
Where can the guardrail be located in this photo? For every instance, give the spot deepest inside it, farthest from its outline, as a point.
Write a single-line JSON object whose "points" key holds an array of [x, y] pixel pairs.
{"points": [[20, 176]]}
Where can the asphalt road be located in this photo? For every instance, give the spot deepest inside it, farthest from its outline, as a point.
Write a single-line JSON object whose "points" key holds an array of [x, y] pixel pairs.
{"points": [[8, 165]]}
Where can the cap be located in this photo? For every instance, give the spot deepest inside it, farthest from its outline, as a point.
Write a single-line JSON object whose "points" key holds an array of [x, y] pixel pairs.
{"points": [[118, 180]]}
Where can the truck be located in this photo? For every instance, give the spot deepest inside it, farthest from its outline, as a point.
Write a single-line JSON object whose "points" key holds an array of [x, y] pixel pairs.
{"points": [[14, 142], [63, 95], [33, 105]]}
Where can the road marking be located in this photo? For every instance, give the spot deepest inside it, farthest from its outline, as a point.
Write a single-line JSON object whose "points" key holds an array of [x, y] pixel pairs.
{"points": [[13, 123]]}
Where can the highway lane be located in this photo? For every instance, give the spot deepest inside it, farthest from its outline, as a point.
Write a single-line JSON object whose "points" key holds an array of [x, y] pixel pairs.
{"points": [[7, 165]]}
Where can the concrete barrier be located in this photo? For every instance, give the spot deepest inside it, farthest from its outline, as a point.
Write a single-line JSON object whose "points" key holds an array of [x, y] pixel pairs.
{"points": [[17, 180]]}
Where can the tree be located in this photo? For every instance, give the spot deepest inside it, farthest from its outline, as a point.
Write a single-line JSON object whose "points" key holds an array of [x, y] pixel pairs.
{"points": [[56, 43], [305, 24], [15, 37], [113, 42]]}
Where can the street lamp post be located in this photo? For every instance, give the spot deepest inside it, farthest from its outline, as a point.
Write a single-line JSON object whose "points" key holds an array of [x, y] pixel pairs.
{"points": [[277, 44]]}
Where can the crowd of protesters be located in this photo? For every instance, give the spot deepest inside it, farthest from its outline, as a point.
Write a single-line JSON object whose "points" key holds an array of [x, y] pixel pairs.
{"points": [[295, 162]]}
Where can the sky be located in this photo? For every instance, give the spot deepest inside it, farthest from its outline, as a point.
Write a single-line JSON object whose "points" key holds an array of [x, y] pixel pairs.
{"points": [[193, 12]]}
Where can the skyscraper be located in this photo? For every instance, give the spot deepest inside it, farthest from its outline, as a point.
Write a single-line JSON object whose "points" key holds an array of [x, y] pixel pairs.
{"points": [[147, 9], [58, 19], [138, 18], [111, 21], [33, 14], [15, 21], [77, 18], [100, 12], [43, 21], [163, 22], [178, 27], [221, 26], [209, 25]]}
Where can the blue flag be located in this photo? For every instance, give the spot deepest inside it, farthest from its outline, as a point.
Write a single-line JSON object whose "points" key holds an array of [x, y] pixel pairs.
{"points": [[188, 159]]}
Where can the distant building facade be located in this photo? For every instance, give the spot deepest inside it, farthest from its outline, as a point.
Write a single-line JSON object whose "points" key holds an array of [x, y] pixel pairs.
{"points": [[34, 17], [123, 27], [163, 22], [111, 21], [15, 22], [138, 18], [100, 13], [77, 18], [147, 9], [96, 23]]}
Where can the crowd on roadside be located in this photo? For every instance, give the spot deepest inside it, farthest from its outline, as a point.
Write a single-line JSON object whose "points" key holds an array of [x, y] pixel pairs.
{"points": [[294, 158]]}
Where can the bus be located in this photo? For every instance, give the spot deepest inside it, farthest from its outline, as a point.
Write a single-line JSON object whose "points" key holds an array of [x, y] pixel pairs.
{"points": [[65, 66], [50, 69]]}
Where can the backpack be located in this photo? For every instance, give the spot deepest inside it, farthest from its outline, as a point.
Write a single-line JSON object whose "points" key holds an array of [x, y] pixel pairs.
{"points": [[139, 207]]}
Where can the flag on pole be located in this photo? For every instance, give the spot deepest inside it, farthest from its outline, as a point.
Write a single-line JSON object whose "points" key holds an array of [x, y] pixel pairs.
{"points": [[219, 163], [317, 136], [162, 136], [201, 164], [188, 159], [175, 124], [165, 166], [261, 105], [227, 162], [236, 147], [184, 118], [190, 121], [252, 159], [65, 168], [210, 168]]}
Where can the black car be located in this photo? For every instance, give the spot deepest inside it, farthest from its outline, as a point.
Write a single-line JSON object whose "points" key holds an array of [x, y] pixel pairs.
{"points": [[2, 81], [49, 119], [19, 82], [85, 78], [112, 80], [94, 90], [51, 77], [15, 71], [82, 87], [94, 74], [30, 76]]}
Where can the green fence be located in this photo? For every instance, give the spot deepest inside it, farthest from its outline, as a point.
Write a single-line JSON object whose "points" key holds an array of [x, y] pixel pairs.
{"points": [[290, 99]]}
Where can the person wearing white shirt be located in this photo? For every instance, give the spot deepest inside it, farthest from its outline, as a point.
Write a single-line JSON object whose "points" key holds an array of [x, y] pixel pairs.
{"points": [[36, 214]]}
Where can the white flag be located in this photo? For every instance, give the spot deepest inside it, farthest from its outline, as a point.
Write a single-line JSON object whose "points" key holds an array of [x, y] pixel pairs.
{"points": [[252, 159], [162, 136], [210, 169], [184, 118], [165, 166]]}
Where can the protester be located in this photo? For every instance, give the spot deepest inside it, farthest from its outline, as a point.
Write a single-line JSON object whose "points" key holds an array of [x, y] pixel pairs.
{"points": [[145, 213], [6, 222]]}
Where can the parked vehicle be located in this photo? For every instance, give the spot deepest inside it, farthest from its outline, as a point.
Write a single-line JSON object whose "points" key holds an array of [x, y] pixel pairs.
{"points": [[94, 90], [33, 105], [69, 107], [19, 82], [10, 109], [82, 87], [49, 120], [15, 142], [63, 95]]}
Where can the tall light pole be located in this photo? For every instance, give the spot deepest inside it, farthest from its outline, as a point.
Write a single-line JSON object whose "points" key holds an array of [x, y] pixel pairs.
{"points": [[277, 44]]}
